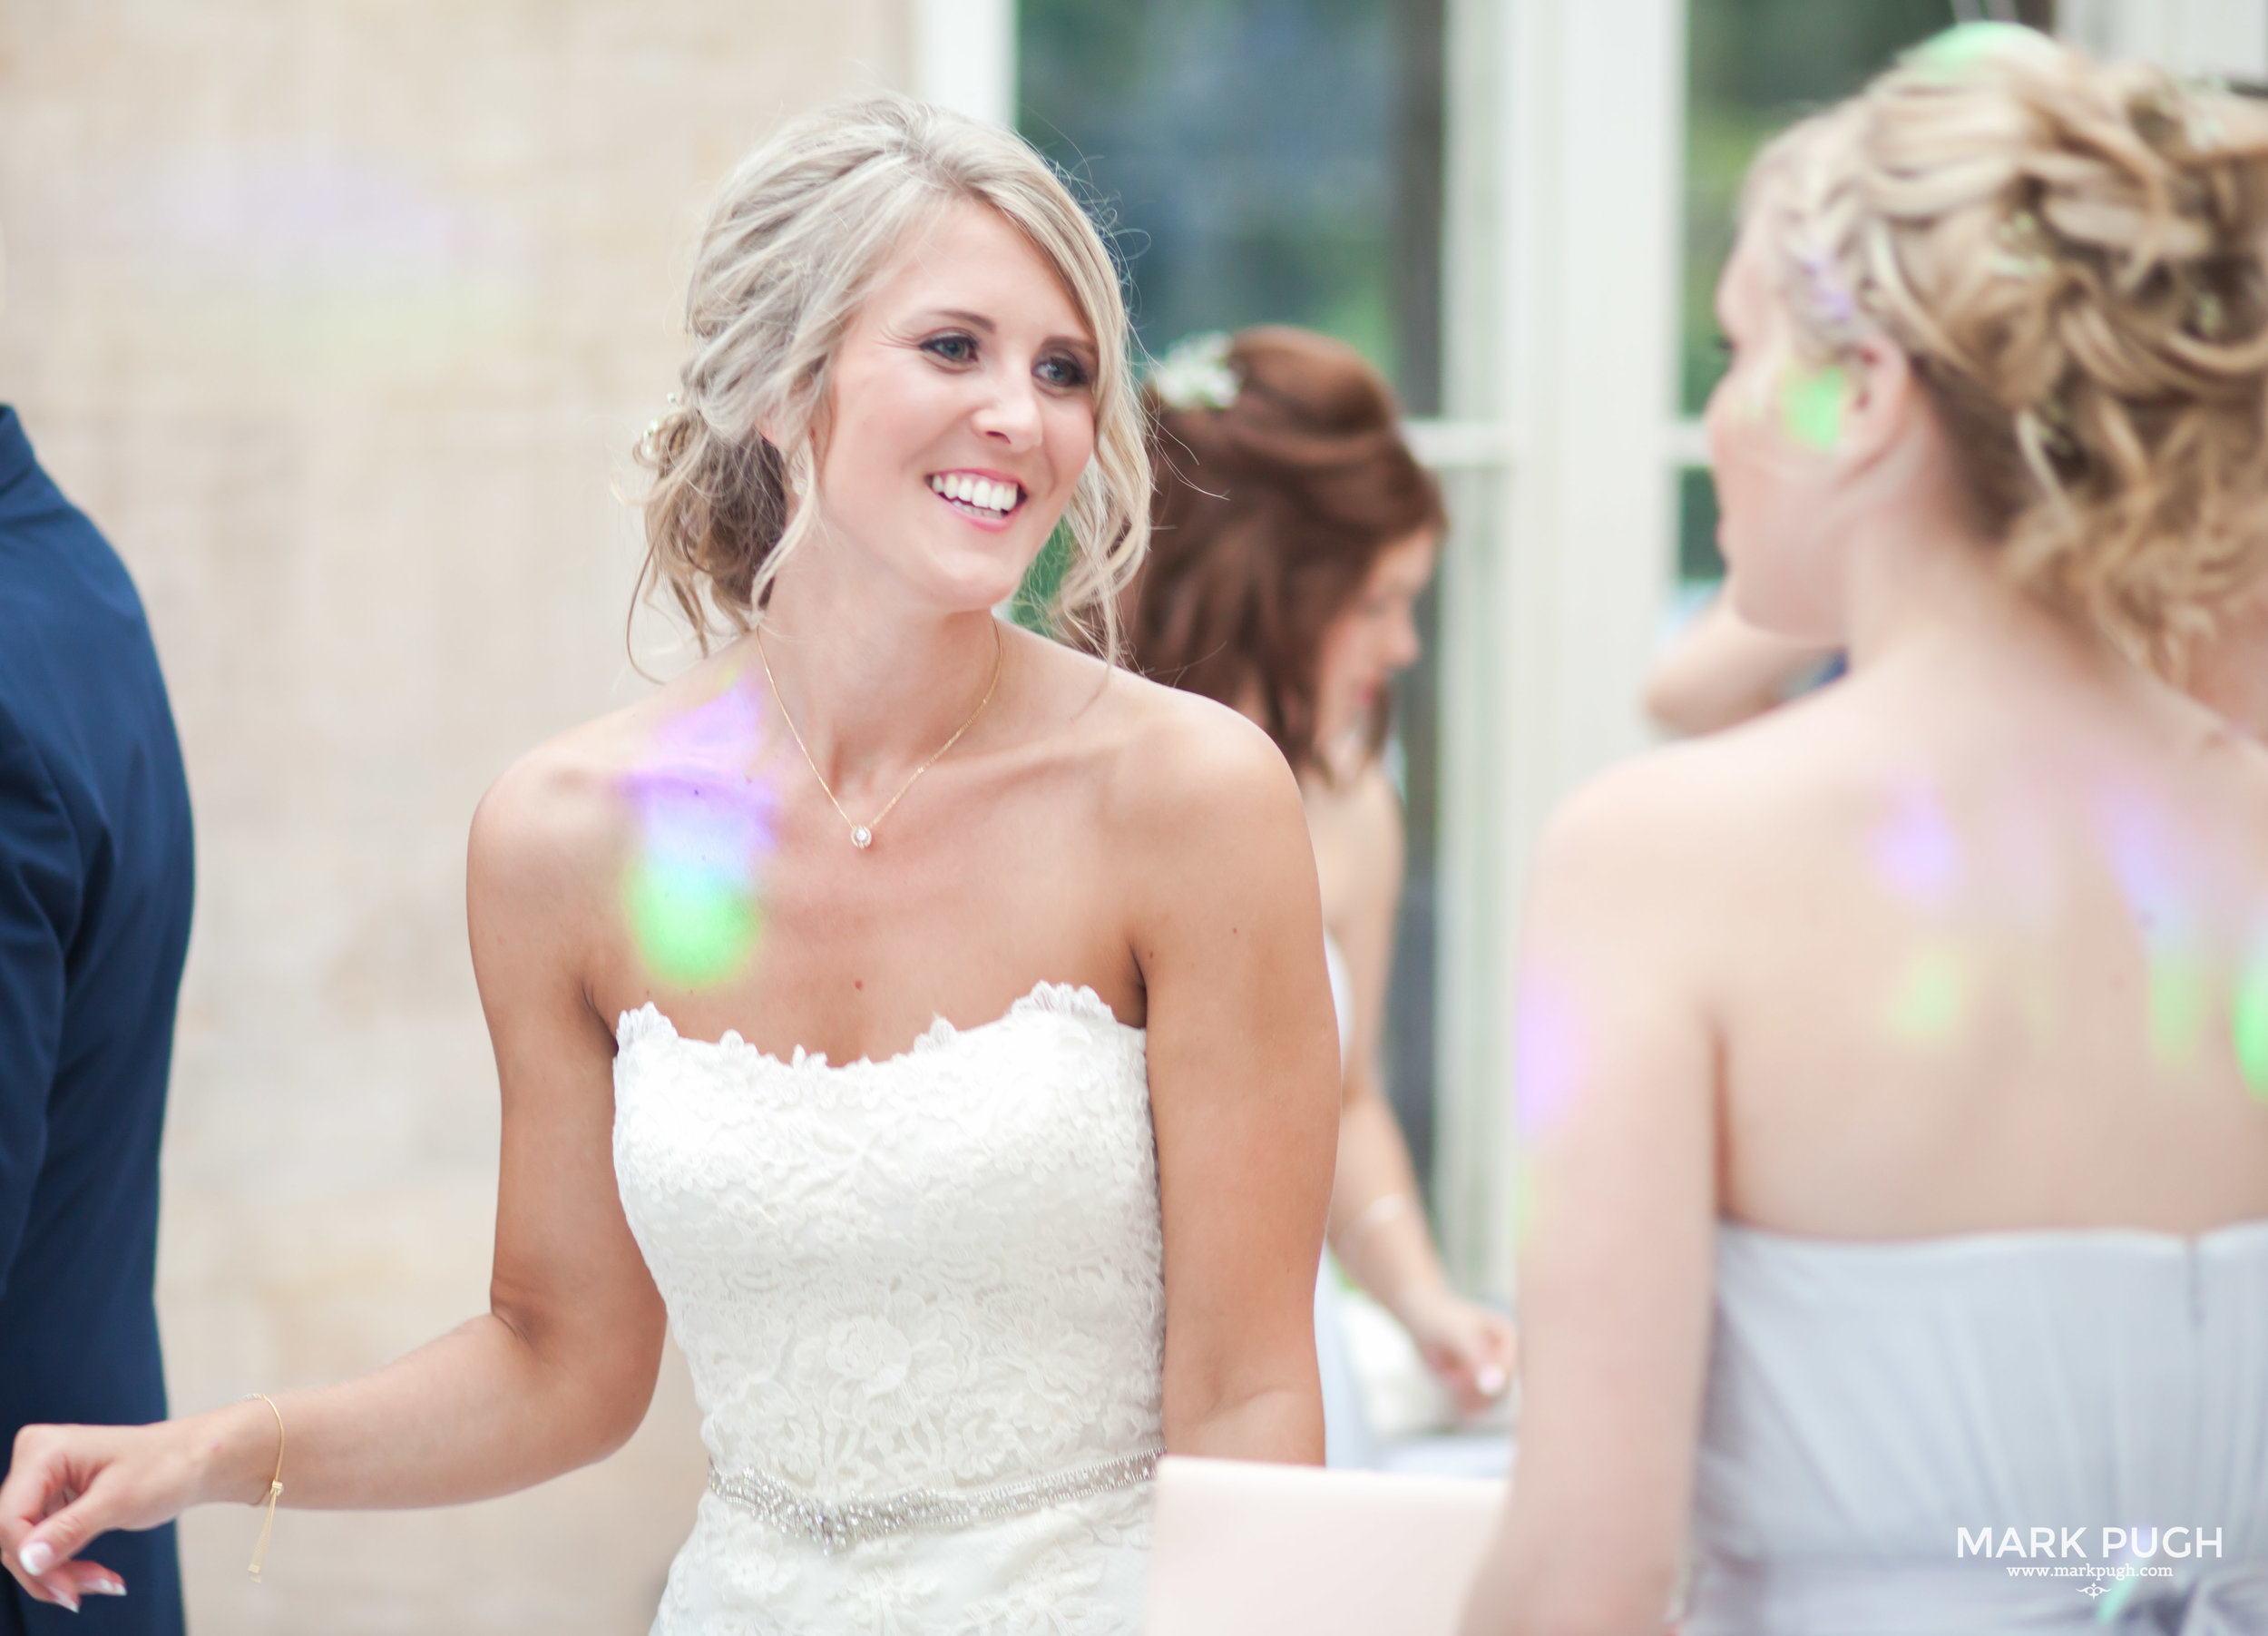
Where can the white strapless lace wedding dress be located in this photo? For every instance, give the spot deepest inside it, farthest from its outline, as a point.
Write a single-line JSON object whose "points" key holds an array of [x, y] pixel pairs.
{"points": [[923, 1304]]}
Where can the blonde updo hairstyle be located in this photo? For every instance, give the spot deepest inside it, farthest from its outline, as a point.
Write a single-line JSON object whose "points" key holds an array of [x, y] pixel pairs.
{"points": [[792, 248], [2072, 256]]}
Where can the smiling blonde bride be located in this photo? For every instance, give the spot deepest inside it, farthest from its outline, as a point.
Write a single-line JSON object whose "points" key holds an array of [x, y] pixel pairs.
{"points": [[927, 1022]]}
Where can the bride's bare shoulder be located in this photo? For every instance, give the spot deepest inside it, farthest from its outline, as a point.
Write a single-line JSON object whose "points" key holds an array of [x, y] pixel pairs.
{"points": [[1174, 767], [560, 814], [546, 826]]}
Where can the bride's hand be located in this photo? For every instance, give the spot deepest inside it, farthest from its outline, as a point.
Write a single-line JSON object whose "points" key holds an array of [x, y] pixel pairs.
{"points": [[1474, 1350], [68, 1483]]}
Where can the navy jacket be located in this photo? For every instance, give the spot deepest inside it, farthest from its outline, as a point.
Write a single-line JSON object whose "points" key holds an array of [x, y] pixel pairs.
{"points": [[94, 895]]}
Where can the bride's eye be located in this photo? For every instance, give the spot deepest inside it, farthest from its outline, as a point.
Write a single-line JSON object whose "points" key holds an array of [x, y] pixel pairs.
{"points": [[1064, 371], [952, 348]]}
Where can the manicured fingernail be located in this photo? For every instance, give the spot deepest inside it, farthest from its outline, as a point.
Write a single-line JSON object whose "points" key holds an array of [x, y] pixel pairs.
{"points": [[67, 1599], [1491, 1382], [37, 1557], [106, 1587]]}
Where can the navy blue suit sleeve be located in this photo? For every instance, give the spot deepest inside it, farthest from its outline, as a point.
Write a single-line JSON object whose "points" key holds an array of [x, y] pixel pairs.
{"points": [[40, 888]]}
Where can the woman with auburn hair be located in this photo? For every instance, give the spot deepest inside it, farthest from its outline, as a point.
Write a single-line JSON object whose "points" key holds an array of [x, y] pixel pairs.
{"points": [[1292, 530], [928, 1021], [1894, 1068]]}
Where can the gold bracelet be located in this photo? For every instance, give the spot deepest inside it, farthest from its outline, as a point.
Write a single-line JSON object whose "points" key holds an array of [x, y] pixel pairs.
{"points": [[275, 1486], [1381, 1209]]}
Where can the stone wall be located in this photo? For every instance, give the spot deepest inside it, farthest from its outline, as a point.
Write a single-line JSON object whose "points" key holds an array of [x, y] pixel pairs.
{"points": [[340, 318]]}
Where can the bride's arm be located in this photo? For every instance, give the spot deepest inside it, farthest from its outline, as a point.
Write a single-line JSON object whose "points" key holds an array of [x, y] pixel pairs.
{"points": [[1244, 1086], [556, 1374]]}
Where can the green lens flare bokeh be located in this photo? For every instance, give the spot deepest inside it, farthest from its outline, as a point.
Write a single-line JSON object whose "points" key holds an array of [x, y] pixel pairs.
{"points": [[690, 897], [1931, 999], [1811, 405], [2250, 1016], [2181, 1001], [1965, 44], [693, 926]]}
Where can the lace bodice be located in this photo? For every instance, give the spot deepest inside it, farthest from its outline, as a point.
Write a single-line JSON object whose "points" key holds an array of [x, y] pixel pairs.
{"points": [[939, 1271]]}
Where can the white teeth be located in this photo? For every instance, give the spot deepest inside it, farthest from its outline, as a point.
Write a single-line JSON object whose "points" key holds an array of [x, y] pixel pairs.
{"points": [[980, 492]]}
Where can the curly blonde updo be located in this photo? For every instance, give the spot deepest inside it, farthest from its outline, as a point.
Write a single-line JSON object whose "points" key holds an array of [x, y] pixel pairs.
{"points": [[2073, 257], [793, 247]]}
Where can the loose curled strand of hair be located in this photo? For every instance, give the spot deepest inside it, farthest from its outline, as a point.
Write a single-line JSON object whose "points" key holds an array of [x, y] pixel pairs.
{"points": [[2073, 255], [720, 503]]}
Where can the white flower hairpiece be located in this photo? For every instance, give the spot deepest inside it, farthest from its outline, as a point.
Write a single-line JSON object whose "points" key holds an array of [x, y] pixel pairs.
{"points": [[1195, 372]]}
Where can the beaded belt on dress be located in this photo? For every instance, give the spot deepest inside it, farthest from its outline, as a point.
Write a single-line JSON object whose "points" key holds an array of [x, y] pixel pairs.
{"points": [[833, 1525]]}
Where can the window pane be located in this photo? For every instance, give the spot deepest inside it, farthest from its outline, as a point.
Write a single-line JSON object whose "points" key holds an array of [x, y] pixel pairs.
{"points": [[1754, 67], [1698, 561], [1268, 160]]}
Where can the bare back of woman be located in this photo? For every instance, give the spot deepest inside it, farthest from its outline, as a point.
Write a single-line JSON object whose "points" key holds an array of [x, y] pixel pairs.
{"points": [[1977, 928]]}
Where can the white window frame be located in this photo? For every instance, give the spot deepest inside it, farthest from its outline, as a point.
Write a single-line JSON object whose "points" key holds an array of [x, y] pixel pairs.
{"points": [[1560, 315], [964, 56], [2190, 37]]}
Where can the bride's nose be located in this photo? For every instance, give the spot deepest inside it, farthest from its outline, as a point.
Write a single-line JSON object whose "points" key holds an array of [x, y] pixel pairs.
{"points": [[1009, 412]]}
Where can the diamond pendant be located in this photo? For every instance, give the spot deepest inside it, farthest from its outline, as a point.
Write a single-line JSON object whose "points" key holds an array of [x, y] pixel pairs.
{"points": [[862, 837]]}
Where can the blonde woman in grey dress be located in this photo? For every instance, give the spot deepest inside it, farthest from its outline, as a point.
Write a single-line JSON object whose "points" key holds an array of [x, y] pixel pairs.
{"points": [[1895, 1067]]}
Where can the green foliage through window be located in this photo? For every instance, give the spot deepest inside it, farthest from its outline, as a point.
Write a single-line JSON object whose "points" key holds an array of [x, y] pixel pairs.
{"points": [[1753, 68], [1033, 607]]}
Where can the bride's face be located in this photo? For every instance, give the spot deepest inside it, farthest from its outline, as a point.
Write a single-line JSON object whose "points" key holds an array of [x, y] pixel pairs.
{"points": [[962, 416]]}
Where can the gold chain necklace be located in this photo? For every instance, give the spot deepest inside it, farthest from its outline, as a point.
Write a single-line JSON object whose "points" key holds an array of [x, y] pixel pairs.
{"points": [[863, 834]]}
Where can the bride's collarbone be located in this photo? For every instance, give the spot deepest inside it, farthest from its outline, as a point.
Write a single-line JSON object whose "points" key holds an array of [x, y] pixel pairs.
{"points": [[868, 991]]}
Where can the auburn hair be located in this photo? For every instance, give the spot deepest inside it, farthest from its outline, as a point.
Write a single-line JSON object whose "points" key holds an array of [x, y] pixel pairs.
{"points": [[1268, 514]]}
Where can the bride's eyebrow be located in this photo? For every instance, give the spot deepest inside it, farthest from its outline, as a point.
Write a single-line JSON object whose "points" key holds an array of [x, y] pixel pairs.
{"points": [[977, 320]]}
